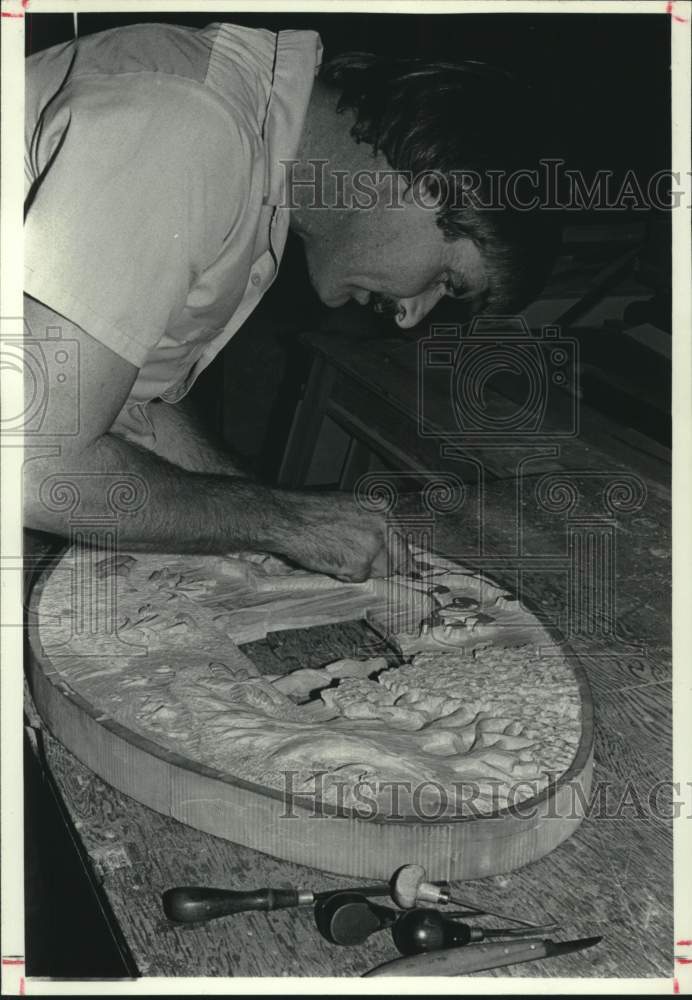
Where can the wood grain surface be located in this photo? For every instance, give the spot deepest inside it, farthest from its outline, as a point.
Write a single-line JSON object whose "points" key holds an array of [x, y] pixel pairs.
{"points": [[613, 877]]}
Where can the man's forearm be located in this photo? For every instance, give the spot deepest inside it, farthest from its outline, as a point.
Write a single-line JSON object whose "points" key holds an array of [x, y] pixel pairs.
{"points": [[182, 440], [183, 511]]}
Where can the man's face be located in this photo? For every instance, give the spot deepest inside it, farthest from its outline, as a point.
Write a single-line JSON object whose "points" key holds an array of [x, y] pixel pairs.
{"points": [[395, 259]]}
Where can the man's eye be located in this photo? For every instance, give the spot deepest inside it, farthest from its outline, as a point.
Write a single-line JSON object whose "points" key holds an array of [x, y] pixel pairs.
{"points": [[454, 291]]}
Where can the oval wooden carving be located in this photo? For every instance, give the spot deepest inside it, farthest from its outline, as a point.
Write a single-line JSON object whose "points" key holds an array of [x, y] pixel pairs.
{"points": [[231, 802]]}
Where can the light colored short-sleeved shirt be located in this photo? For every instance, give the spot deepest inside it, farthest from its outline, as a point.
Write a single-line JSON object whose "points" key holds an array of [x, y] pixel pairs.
{"points": [[156, 213]]}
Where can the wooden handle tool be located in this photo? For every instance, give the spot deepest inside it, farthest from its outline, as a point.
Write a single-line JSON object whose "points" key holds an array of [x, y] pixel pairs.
{"points": [[192, 904], [479, 957]]}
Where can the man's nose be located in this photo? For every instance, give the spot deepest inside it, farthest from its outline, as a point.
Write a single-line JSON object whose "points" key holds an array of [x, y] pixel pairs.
{"points": [[412, 311]]}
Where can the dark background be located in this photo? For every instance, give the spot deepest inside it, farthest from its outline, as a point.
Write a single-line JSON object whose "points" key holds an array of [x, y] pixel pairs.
{"points": [[605, 82], [606, 78]]}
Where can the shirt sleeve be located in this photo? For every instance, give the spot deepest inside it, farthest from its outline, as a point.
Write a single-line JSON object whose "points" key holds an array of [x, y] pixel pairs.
{"points": [[138, 183]]}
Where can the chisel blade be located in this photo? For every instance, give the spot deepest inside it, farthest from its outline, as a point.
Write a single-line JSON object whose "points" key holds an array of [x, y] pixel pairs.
{"points": [[565, 947]]}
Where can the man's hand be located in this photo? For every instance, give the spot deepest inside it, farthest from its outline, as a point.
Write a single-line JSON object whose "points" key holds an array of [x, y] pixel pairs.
{"points": [[187, 510], [330, 534]]}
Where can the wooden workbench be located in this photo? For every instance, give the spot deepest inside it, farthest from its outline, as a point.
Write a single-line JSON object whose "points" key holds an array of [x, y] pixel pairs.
{"points": [[614, 877], [378, 390]]}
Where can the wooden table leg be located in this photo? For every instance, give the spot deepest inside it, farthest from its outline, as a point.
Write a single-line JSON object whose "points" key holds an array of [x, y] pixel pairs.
{"points": [[357, 463], [307, 425]]}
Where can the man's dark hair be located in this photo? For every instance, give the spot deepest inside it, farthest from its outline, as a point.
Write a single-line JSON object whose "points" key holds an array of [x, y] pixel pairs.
{"points": [[456, 119]]}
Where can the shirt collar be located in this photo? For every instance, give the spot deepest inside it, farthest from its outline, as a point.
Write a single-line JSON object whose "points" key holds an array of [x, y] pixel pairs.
{"points": [[297, 59]]}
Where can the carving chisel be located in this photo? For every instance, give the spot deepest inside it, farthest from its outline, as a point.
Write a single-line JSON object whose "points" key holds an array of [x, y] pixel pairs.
{"points": [[479, 957], [190, 904]]}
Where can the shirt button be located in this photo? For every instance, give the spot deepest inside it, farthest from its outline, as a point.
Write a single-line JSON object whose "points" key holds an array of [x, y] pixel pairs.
{"points": [[256, 279]]}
